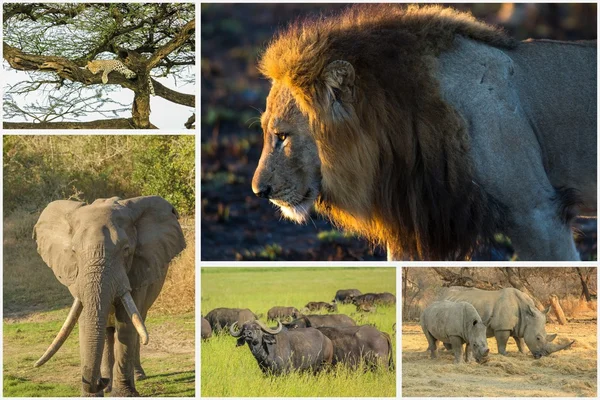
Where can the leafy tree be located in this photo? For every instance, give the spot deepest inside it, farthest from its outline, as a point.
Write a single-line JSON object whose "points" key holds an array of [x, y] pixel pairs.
{"points": [[53, 42]]}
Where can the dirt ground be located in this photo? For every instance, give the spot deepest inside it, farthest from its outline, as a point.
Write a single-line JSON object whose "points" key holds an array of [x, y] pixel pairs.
{"points": [[569, 373]]}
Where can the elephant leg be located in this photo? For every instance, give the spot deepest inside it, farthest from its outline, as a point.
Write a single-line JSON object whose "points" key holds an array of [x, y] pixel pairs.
{"points": [[108, 358], [520, 344], [151, 294], [125, 348], [501, 340], [457, 343]]}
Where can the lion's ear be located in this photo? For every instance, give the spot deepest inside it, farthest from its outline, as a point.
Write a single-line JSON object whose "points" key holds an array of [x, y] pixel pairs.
{"points": [[338, 77]]}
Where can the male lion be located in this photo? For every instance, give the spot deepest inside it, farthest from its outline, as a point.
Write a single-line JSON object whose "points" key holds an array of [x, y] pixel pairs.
{"points": [[428, 131]]}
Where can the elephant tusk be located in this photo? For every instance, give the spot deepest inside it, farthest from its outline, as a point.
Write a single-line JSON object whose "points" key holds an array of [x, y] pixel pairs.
{"points": [[135, 316], [64, 332]]}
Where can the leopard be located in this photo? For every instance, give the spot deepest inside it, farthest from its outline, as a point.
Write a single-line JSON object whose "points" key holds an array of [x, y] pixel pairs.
{"points": [[107, 66]]}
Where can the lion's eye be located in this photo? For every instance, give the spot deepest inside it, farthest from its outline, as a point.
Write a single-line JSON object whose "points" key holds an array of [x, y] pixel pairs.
{"points": [[281, 136]]}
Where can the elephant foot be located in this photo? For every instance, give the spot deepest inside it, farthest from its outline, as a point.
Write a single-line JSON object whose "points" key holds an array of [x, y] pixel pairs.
{"points": [[86, 394], [140, 375], [124, 392]]}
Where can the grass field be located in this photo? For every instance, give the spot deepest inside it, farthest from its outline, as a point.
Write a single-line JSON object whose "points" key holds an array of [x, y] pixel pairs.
{"points": [[227, 370], [36, 305]]}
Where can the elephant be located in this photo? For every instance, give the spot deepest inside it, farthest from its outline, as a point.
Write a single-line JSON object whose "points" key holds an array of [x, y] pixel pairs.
{"points": [[113, 256]]}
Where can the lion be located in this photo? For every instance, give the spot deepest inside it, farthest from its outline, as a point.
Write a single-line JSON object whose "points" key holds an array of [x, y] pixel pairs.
{"points": [[429, 132]]}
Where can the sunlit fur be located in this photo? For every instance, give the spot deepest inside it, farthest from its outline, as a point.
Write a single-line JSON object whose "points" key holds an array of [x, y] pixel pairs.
{"points": [[394, 156]]}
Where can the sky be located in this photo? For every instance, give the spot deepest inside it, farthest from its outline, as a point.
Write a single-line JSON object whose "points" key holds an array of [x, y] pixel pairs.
{"points": [[164, 114]]}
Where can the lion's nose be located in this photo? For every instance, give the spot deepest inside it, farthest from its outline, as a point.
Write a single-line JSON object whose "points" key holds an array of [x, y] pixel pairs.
{"points": [[264, 191]]}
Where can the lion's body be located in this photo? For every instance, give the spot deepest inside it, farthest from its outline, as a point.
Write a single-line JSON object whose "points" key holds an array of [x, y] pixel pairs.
{"points": [[433, 131]]}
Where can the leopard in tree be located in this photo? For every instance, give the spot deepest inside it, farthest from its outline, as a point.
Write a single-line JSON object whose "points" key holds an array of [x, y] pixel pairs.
{"points": [[107, 66]]}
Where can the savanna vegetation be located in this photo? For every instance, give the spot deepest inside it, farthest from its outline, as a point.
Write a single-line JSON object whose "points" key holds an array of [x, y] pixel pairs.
{"points": [[568, 373], [227, 370], [40, 169], [236, 225]]}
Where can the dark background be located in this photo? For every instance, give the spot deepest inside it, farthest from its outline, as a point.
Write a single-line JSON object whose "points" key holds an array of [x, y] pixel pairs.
{"points": [[236, 225]]}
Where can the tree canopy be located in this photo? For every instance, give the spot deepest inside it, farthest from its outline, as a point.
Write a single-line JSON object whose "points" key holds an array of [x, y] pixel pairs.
{"points": [[52, 44]]}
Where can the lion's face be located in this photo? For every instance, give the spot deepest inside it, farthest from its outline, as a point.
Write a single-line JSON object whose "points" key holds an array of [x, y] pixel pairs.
{"points": [[288, 173]]}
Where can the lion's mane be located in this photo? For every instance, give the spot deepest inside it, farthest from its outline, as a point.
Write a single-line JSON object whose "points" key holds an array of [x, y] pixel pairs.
{"points": [[394, 160]]}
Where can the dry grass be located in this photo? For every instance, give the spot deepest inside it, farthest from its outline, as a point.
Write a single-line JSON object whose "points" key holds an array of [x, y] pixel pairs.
{"points": [[568, 373]]}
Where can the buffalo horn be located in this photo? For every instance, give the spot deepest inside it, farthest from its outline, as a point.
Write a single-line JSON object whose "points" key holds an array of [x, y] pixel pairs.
{"points": [[233, 332], [269, 330]]}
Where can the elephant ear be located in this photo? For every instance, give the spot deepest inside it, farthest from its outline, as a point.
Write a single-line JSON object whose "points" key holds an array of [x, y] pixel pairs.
{"points": [[159, 238], [53, 236]]}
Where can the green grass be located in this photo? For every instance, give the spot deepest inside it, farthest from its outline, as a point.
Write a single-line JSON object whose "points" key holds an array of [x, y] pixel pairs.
{"points": [[168, 360], [228, 370]]}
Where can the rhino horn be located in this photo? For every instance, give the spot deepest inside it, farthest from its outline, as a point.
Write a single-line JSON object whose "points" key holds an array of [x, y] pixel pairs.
{"points": [[553, 348]]}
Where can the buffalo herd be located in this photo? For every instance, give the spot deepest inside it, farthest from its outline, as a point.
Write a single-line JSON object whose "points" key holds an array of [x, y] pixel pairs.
{"points": [[302, 341]]}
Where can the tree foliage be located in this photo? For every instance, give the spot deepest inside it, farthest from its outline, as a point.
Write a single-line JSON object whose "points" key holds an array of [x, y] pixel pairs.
{"points": [[40, 169], [53, 42]]}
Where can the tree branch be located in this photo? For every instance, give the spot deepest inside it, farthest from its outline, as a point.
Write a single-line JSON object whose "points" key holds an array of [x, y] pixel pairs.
{"points": [[171, 95], [118, 123], [178, 40]]}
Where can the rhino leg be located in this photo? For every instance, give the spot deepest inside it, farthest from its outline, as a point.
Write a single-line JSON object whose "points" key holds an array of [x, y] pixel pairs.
{"points": [[520, 344], [501, 340], [448, 346], [432, 343], [457, 343], [469, 353]]}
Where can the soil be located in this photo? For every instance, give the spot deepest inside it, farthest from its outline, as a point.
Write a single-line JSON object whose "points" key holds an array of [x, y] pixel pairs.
{"points": [[235, 224], [568, 373]]}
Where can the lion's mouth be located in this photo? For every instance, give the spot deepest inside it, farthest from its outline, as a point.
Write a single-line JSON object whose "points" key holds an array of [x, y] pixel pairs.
{"points": [[298, 211]]}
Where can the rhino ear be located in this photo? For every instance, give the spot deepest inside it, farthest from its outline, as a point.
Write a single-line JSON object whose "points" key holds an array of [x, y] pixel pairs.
{"points": [[52, 233], [547, 310], [531, 310]]}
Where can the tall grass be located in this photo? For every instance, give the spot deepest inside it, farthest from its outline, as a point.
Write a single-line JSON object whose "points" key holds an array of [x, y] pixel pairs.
{"points": [[227, 370]]}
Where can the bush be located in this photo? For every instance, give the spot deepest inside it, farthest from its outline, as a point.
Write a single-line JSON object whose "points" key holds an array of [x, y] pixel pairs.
{"points": [[41, 169]]}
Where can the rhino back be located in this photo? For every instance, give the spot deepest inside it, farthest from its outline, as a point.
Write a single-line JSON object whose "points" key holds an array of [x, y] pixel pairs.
{"points": [[443, 319]]}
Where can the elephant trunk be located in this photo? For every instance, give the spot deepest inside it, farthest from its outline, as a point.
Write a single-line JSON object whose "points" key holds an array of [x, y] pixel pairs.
{"points": [[64, 332], [98, 297]]}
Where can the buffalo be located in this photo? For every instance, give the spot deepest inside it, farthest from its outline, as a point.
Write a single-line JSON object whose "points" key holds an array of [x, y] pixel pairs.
{"points": [[365, 308], [374, 298], [221, 318], [353, 344], [316, 321], [344, 296], [320, 305], [205, 329], [276, 313], [279, 351]]}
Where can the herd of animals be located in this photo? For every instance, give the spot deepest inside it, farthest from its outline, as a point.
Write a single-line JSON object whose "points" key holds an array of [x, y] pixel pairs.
{"points": [[468, 316], [303, 341]]}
